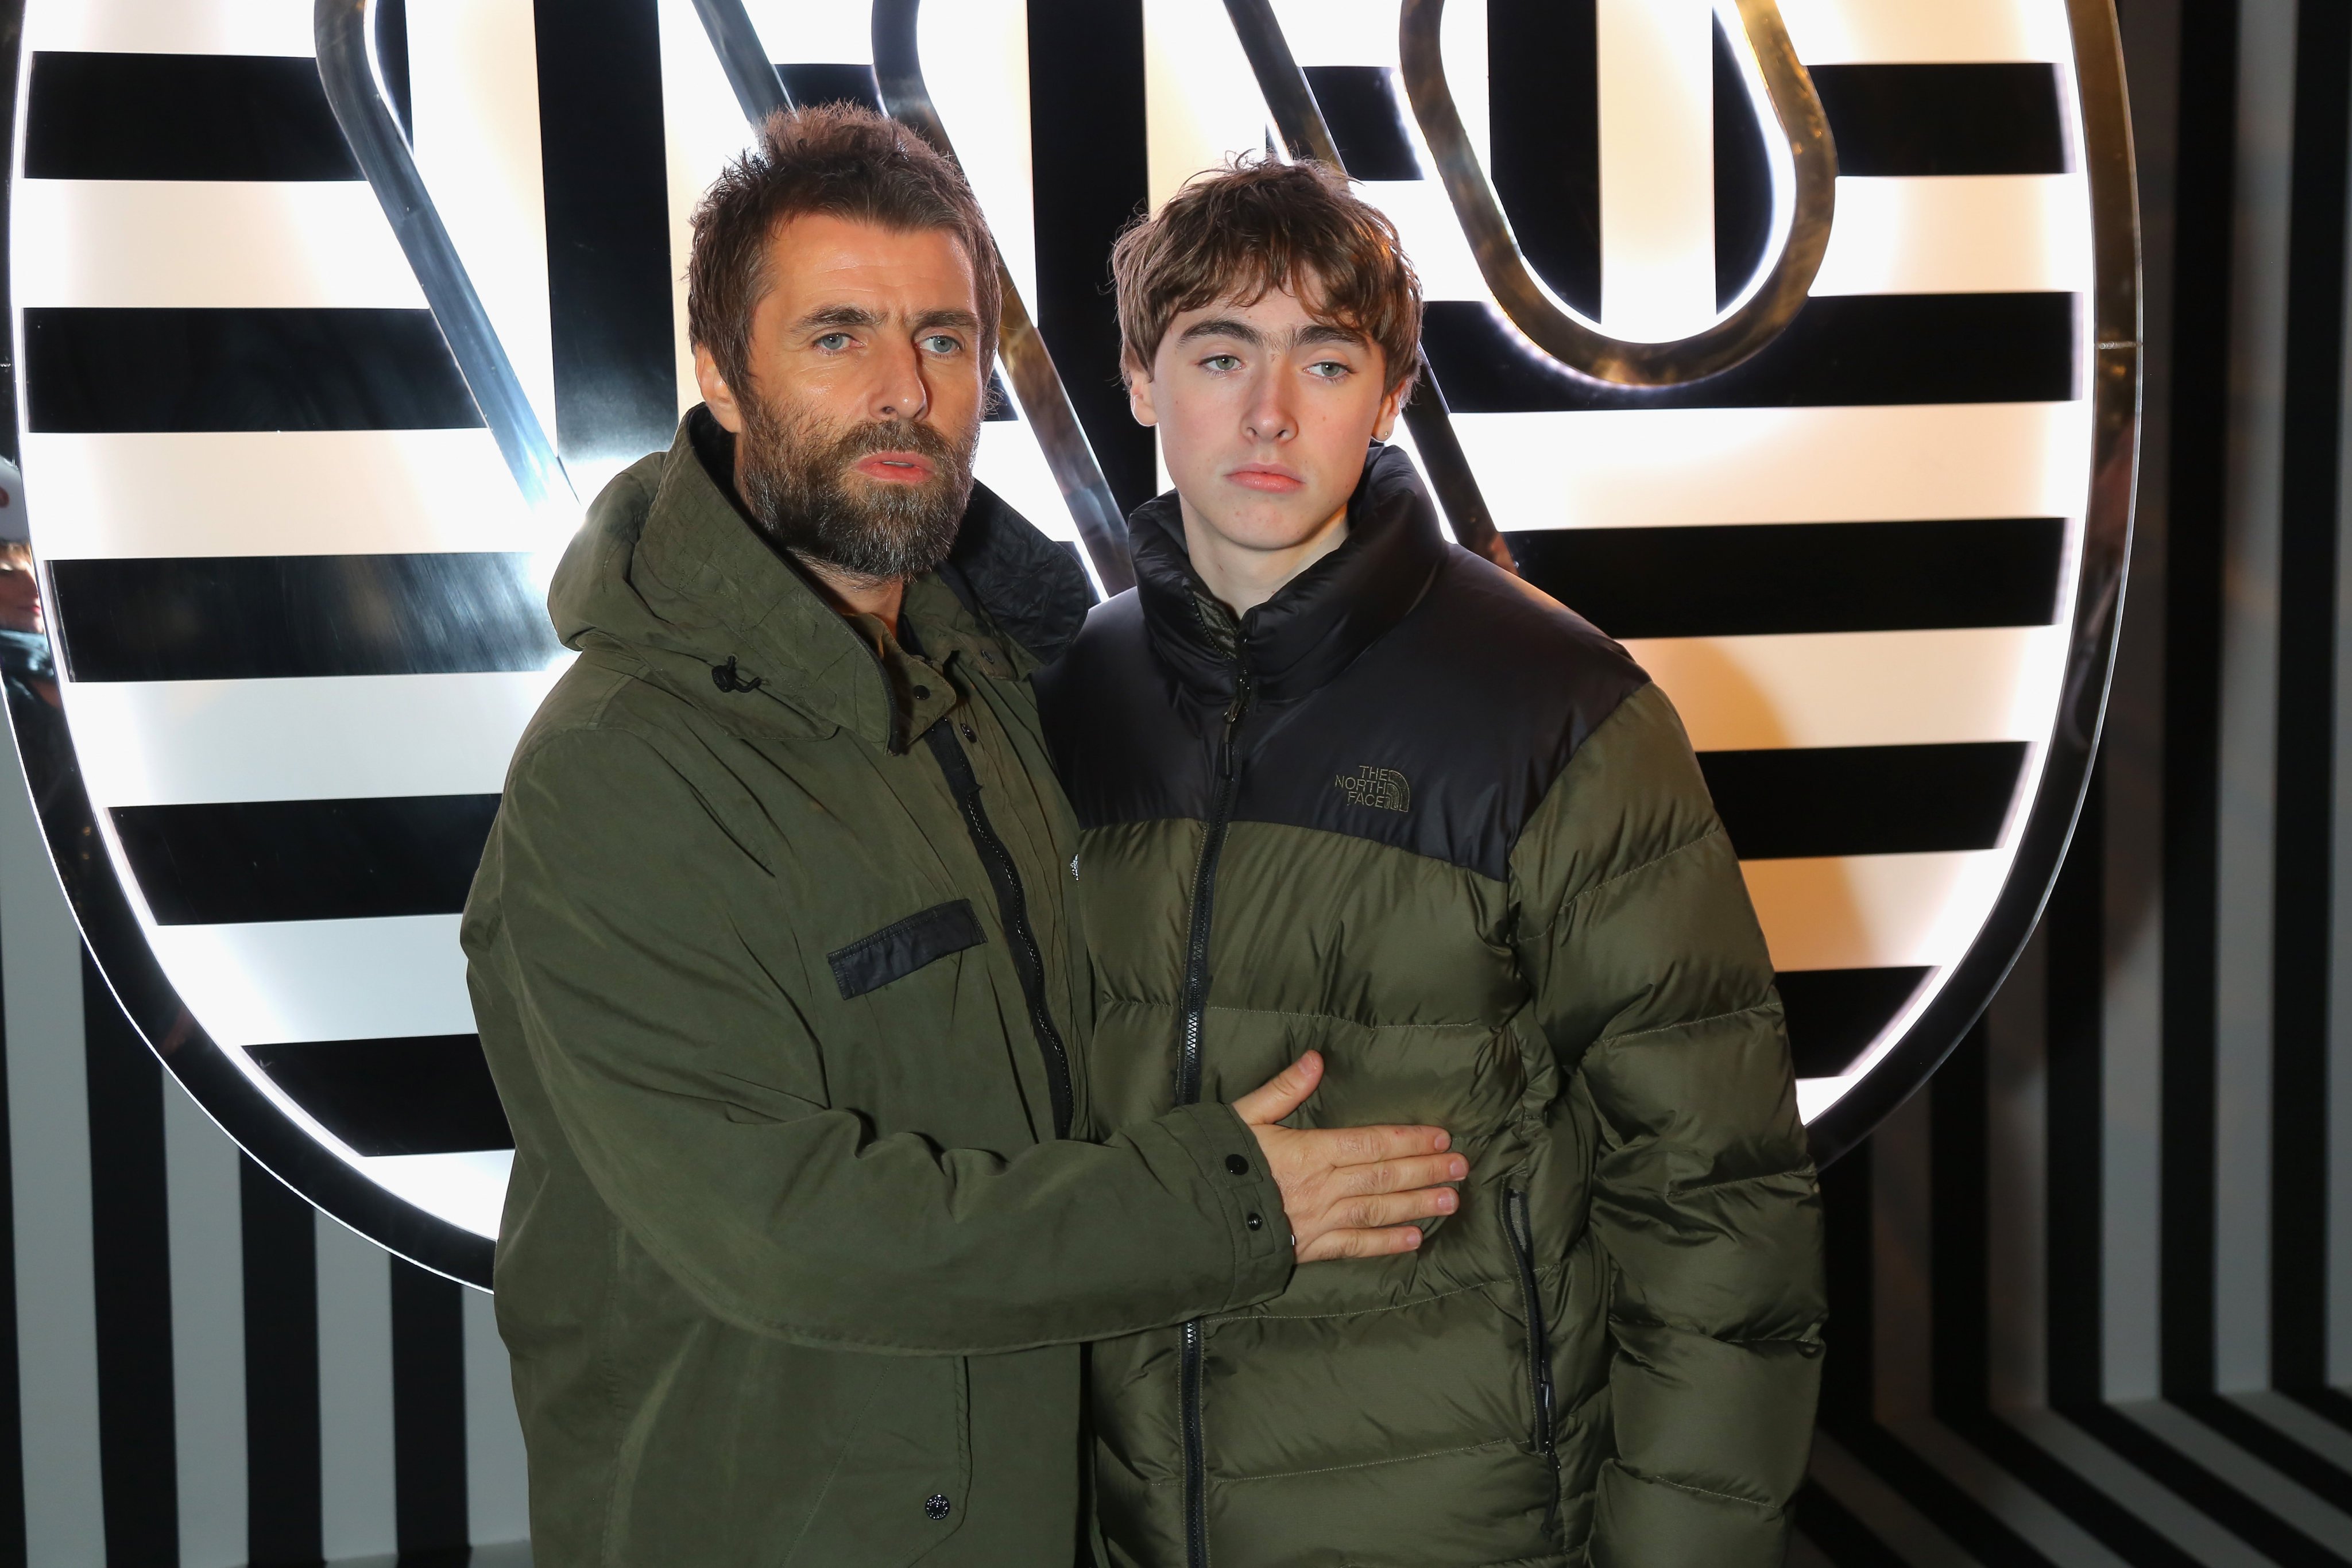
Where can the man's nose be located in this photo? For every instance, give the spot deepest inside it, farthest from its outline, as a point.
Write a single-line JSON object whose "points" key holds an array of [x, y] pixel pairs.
{"points": [[898, 390]]}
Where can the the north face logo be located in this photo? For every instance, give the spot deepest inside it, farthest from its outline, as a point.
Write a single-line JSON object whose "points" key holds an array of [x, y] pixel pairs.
{"points": [[1382, 787]]}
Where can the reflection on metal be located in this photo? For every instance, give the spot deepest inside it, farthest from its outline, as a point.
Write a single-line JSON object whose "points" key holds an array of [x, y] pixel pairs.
{"points": [[1771, 302], [1304, 129], [345, 31], [759, 91], [1045, 402]]}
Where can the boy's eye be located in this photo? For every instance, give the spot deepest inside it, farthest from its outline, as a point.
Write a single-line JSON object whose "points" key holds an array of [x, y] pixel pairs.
{"points": [[1222, 363], [1329, 369]]}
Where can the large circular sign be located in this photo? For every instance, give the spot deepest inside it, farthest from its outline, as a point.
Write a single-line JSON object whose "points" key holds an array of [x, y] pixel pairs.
{"points": [[1795, 345]]}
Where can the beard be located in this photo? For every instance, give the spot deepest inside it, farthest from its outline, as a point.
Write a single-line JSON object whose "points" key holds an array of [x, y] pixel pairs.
{"points": [[797, 480]]}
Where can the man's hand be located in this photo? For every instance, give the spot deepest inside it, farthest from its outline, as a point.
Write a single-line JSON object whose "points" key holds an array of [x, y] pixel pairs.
{"points": [[1348, 1192]]}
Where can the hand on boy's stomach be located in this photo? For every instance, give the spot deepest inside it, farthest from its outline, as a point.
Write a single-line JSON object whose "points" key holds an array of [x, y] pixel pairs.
{"points": [[1348, 1192]]}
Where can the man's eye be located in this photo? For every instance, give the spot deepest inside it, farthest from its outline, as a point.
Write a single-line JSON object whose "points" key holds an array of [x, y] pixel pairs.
{"points": [[941, 343], [833, 342]]}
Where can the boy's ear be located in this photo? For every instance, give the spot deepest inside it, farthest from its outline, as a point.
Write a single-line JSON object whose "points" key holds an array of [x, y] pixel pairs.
{"points": [[1390, 406], [1138, 390], [716, 393]]}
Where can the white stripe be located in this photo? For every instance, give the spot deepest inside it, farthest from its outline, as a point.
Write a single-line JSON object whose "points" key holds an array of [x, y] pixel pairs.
{"points": [[207, 1333], [1200, 103], [48, 1149], [1860, 689], [355, 1448], [2315, 1516], [1678, 466], [1340, 32], [173, 26], [208, 245], [497, 1483], [1855, 912], [1959, 235], [464, 1189], [275, 493], [817, 32], [2180, 1523], [1891, 32], [1882, 1509], [703, 128], [170, 743], [1658, 167], [272, 982]]}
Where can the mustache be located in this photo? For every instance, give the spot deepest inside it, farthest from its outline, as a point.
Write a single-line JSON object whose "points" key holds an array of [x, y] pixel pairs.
{"points": [[894, 435]]}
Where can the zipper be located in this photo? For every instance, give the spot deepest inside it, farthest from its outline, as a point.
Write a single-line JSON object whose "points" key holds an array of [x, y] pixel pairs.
{"points": [[1188, 1092], [1013, 907], [1523, 1248]]}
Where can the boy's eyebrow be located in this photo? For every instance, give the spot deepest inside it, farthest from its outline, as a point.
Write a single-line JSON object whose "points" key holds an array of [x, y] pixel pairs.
{"points": [[1325, 332], [1222, 327]]}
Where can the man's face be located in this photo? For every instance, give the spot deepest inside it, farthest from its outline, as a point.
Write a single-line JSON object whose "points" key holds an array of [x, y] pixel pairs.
{"points": [[1265, 414], [854, 441]]}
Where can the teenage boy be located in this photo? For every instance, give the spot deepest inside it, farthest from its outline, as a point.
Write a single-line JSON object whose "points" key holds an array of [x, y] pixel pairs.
{"points": [[1345, 786]]}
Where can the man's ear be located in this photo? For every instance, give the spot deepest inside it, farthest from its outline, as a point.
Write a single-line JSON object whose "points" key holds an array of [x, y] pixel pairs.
{"points": [[716, 393], [1139, 392]]}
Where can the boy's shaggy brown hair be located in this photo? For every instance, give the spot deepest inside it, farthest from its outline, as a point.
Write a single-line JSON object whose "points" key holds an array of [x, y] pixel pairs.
{"points": [[839, 159], [1256, 225]]}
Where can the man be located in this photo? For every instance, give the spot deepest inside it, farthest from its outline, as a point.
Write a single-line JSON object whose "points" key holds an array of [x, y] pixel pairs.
{"points": [[1346, 785], [773, 959]]}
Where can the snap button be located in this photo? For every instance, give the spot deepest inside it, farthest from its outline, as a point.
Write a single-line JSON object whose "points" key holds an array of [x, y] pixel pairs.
{"points": [[1237, 1165], [922, 693], [936, 1506], [968, 732], [1255, 1223]]}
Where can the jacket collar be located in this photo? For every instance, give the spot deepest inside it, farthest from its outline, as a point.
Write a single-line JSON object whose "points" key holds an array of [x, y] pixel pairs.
{"points": [[1321, 621]]}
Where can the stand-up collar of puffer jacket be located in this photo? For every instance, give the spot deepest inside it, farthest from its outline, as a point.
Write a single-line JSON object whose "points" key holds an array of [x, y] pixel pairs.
{"points": [[1319, 620]]}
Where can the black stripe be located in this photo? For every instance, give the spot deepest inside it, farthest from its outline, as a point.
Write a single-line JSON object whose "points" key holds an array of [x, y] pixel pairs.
{"points": [[2112, 1524], [1743, 179], [2226, 1506], [2204, 222], [1959, 1225], [181, 117], [1851, 349], [602, 168], [1090, 172], [2315, 1472], [306, 859], [1752, 578], [1363, 105], [428, 1417], [431, 1095], [1971, 118], [251, 617], [2074, 1111], [1835, 1014], [1790, 801], [1836, 1533], [94, 370], [282, 1478], [2311, 410], [131, 1269], [1543, 81], [1976, 1528], [812, 82]]}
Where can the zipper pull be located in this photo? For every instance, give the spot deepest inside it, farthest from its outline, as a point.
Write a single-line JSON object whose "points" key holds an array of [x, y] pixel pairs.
{"points": [[1233, 711]]}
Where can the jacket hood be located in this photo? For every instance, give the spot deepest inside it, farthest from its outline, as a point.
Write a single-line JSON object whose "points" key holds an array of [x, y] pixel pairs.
{"points": [[1320, 620], [670, 576]]}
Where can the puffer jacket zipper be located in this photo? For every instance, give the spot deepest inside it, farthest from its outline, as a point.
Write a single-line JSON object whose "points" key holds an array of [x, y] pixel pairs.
{"points": [[1012, 908], [1523, 1248], [1188, 1092]]}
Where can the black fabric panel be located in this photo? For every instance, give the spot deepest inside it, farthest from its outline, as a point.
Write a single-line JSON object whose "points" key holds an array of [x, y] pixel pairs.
{"points": [[1835, 1014], [250, 617], [181, 117], [431, 1095], [1091, 173], [2003, 119], [822, 83], [306, 859], [428, 1416], [1746, 580], [1543, 77], [1863, 800], [604, 170], [1743, 178], [1840, 350], [282, 1480], [899, 949], [1363, 105], [130, 1275], [88, 369]]}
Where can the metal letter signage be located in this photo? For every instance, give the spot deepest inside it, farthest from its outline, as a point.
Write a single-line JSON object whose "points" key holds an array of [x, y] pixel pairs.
{"points": [[1794, 344]]}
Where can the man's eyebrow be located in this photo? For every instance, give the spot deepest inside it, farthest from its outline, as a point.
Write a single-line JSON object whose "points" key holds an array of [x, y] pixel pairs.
{"points": [[963, 321], [840, 316], [1222, 327]]}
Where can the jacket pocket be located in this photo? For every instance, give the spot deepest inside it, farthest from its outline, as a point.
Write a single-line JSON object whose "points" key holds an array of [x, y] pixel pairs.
{"points": [[1523, 1252], [899, 949]]}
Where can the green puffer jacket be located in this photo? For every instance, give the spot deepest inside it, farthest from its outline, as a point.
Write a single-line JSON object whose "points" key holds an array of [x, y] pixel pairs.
{"points": [[774, 957], [1416, 816]]}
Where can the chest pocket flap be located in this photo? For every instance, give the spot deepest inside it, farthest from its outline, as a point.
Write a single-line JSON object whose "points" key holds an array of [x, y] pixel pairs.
{"points": [[899, 949]]}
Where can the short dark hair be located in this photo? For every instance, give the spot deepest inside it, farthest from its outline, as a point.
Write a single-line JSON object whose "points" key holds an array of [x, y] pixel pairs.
{"points": [[839, 159], [1258, 225]]}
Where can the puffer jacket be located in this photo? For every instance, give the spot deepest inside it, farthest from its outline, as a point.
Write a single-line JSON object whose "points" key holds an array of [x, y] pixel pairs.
{"points": [[1414, 815]]}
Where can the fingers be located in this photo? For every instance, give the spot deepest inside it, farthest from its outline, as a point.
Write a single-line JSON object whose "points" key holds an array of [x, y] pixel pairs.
{"points": [[1393, 1207], [1360, 1244], [1281, 1094], [1367, 1145], [1398, 1176]]}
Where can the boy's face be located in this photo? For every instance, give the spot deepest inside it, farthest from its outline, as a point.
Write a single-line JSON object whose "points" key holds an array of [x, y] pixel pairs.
{"points": [[1265, 414]]}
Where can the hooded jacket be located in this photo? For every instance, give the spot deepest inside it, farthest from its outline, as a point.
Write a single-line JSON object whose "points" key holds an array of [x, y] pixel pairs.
{"points": [[775, 957], [1413, 814]]}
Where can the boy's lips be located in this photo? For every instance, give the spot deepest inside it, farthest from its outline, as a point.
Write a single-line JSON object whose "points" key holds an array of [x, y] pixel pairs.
{"points": [[894, 467], [1270, 478]]}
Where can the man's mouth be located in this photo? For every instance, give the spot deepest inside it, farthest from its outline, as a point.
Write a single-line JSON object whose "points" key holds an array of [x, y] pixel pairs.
{"points": [[1268, 479], [895, 467]]}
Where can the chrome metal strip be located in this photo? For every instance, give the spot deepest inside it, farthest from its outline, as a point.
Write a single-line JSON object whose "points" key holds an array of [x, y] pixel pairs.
{"points": [[759, 91], [1308, 135]]}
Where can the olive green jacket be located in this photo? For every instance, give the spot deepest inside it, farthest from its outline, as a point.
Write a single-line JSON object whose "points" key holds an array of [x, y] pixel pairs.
{"points": [[795, 1267], [1415, 815]]}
